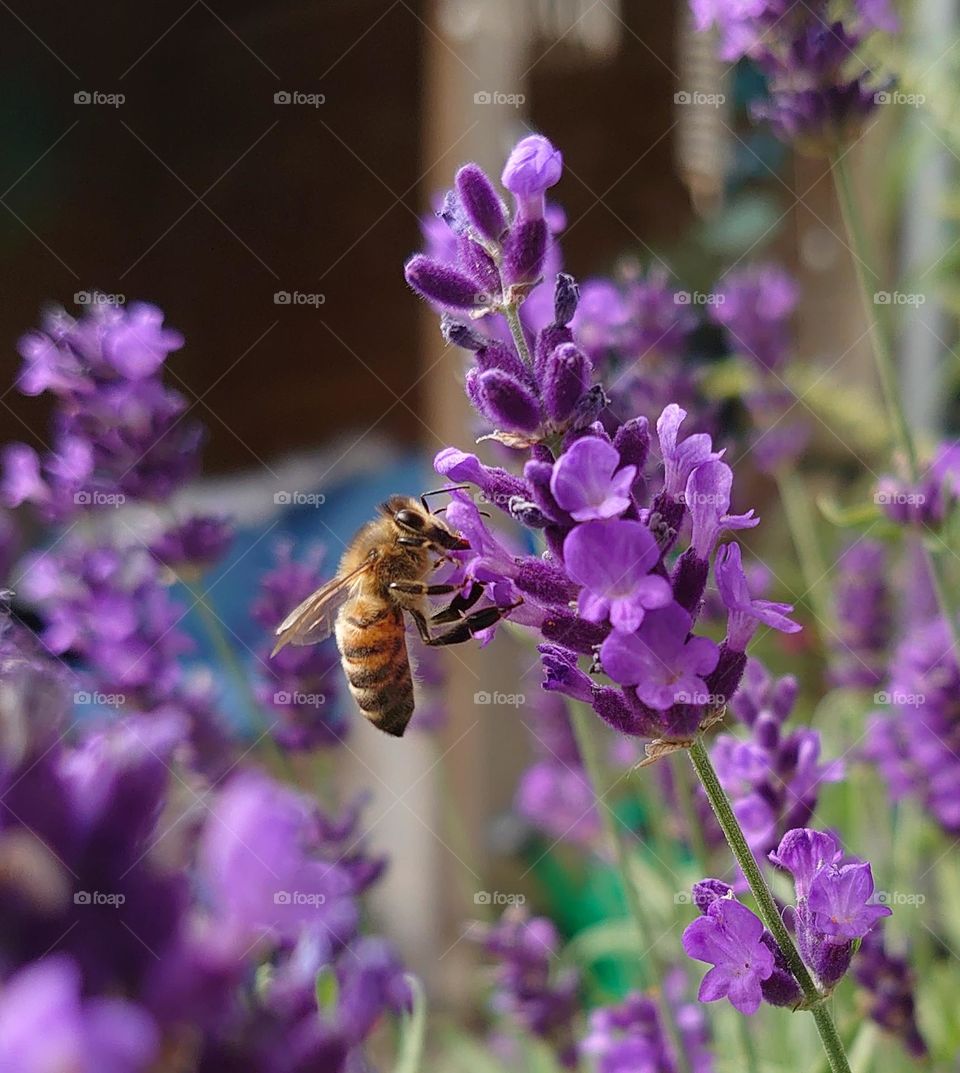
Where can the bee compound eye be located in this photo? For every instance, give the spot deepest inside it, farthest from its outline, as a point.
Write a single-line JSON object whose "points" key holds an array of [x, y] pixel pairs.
{"points": [[408, 519]]}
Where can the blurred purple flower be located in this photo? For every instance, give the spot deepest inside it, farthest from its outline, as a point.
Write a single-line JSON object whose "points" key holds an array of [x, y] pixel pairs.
{"points": [[46, 1025]]}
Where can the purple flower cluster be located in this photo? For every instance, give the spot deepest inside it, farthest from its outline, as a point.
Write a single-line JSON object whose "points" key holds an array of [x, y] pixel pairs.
{"points": [[805, 53], [864, 616], [146, 914], [930, 501], [916, 742], [611, 503], [833, 910], [526, 990], [118, 432], [629, 1037], [773, 777]]}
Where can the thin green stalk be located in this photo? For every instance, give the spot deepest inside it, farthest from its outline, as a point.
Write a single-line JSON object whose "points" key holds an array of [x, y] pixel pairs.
{"points": [[750, 1060], [229, 659], [685, 793], [512, 313], [796, 508], [723, 810], [584, 724], [880, 337]]}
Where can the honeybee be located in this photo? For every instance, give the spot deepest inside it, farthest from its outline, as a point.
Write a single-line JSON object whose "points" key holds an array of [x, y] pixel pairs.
{"points": [[381, 575]]}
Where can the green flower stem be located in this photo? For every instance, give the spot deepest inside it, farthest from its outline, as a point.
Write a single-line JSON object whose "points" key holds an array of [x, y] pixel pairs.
{"points": [[878, 321], [512, 313], [277, 760], [814, 999], [585, 724], [800, 522]]}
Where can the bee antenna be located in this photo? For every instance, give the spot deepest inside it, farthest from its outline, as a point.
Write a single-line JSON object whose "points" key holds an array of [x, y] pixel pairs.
{"points": [[440, 492]]}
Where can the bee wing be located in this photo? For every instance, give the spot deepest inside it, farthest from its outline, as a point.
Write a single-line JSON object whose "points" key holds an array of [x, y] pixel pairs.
{"points": [[312, 621]]}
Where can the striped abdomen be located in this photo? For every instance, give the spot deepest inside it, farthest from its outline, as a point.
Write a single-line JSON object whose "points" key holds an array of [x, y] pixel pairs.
{"points": [[373, 647]]}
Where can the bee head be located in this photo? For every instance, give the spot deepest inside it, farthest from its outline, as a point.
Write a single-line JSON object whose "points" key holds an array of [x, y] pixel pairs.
{"points": [[413, 520]]}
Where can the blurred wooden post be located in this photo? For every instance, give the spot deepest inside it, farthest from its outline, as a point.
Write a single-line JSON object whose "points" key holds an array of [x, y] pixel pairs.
{"points": [[471, 49]]}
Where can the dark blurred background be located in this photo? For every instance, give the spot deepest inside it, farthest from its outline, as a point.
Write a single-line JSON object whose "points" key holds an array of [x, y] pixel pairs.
{"points": [[203, 194]]}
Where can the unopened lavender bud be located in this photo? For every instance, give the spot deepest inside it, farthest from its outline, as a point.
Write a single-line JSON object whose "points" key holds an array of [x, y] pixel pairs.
{"points": [[766, 731], [480, 202], [725, 679], [477, 263], [589, 407], [524, 251], [462, 335], [689, 580], [830, 961], [440, 283], [566, 297], [632, 440], [547, 583], [572, 631], [566, 377], [612, 707], [784, 696], [507, 402], [547, 340], [708, 891], [780, 988], [497, 355], [531, 169]]}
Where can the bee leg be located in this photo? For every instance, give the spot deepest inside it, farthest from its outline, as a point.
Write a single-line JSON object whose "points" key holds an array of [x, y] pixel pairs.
{"points": [[421, 588], [464, 629], [458, 606]]}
